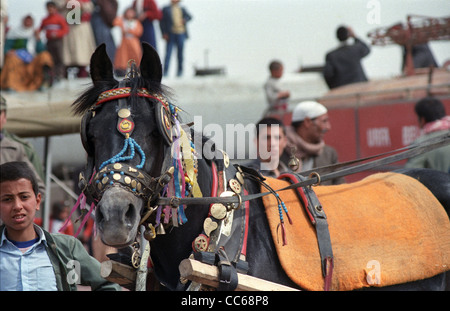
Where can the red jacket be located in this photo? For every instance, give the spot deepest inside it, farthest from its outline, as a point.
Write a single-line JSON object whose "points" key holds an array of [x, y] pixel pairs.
{"points": [[151, 10], [55, 26]]}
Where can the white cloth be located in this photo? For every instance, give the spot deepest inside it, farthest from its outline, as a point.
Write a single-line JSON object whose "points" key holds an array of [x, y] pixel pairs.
{"points": [[308, 109]]}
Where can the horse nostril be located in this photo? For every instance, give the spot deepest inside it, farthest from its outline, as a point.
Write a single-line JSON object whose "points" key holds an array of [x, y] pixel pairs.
{"points": [[99, 216], [130, 213]]}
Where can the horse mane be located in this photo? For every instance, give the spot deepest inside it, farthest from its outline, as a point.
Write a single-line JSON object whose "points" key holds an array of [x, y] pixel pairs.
{"points": [[85, 101]]}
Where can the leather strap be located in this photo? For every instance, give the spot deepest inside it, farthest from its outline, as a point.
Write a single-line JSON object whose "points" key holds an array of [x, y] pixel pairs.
{"points": [[318, 218], [411, 152], [228, 279]]}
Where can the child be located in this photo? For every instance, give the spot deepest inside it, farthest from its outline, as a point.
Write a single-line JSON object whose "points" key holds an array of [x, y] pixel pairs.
{"points": [[276, 97], [55, 27], [52, 261], [130, 47]]}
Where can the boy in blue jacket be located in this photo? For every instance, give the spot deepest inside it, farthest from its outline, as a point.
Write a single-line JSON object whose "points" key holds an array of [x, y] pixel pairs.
{"points": [[32, 259]]}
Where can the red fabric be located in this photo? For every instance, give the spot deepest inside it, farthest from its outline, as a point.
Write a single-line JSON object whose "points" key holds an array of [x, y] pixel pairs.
{"points": [[151, 10], [438, 125], [55, 26]]}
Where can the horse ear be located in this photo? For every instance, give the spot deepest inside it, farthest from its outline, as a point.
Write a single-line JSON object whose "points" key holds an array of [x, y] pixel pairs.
{"points": [[150, 67], [101, 66]]}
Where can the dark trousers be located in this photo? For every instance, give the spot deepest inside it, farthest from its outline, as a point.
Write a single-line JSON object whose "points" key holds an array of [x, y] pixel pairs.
{"points": [[178, 41], [55, 48]]}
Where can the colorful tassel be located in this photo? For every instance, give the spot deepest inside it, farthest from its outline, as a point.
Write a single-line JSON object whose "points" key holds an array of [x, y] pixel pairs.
{"points": [[80, 201], [86, 217], [286, 211], [281, 224]]}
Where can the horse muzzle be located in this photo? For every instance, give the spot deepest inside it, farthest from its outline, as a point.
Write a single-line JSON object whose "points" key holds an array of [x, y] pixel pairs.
{"points": [[117, 216]]}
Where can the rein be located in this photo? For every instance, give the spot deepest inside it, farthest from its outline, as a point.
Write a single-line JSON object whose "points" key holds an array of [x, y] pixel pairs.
{"points": [[314, 178]]}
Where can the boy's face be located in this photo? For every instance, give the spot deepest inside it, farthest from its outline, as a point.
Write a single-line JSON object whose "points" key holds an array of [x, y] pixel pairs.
{"points": [[278, 73], [270, 145], [52, 9], [18, 205]]}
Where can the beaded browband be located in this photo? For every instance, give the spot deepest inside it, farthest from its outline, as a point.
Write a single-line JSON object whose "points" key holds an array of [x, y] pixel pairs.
{"points": [[125, 92]]}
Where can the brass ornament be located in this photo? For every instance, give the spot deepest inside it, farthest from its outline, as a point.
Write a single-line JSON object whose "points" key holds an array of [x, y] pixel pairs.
{"points": [[226, 159], [124, 113], [218, 211], [239, 177], [294, 162], [126, 126], [165, 123], [201, 243], [235, 186], [209, 226], [231, 206], [150, 233], [135, 259]]}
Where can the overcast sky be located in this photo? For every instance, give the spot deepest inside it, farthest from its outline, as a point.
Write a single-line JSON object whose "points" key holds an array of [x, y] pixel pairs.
{"points": [[245, 35]]}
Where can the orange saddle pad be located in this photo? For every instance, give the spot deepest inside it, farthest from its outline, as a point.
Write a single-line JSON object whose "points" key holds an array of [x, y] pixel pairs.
{"points": [[385, 229]]}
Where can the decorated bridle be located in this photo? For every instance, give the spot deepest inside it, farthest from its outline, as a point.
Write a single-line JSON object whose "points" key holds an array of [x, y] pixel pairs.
{"points": [[178, 173]]}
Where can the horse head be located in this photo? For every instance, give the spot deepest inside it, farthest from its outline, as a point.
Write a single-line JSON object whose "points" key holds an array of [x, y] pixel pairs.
{"points": [[126, 130]]}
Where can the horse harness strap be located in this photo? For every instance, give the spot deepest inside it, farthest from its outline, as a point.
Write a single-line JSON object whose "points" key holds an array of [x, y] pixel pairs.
{"points": [[314, 178], [223, 241], [318, 218]]}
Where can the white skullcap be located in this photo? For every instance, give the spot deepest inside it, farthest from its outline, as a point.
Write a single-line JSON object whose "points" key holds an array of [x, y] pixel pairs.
{"points": [[308, 109]]}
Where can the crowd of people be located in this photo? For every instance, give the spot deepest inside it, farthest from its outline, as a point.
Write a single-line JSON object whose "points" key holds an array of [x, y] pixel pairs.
{"points": [[303, 138], [37, 55], [30, 64]]}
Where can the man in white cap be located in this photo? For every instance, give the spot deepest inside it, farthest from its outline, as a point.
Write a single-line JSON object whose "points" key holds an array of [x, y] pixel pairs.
{"points": [[310, 122]]}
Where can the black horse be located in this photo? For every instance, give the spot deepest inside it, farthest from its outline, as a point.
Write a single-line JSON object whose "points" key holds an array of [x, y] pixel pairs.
{"points": [[127, 132]]}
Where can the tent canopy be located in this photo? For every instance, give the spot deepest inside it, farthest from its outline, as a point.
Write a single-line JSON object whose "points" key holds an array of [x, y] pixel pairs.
{"points": [[46, 113]]}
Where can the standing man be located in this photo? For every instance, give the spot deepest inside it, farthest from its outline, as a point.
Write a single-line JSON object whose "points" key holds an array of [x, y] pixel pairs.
{"points": [[147, 11], [343, 65], [173, 28], [105, 11], [310, 122], [13, 149], [433, 123]]}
